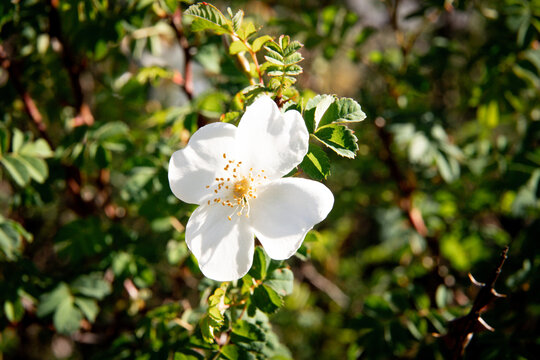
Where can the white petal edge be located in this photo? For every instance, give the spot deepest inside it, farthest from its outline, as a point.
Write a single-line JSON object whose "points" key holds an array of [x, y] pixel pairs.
{"points": [[193, 168], [223, 247], [271, 140], [285, 211]]}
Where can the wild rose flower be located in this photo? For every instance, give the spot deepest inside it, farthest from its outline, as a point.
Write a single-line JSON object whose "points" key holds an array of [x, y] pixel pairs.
{"points": [[235, 176]]}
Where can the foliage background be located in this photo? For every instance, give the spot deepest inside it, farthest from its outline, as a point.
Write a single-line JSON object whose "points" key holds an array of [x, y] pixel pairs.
{"points": [[95, 98]]}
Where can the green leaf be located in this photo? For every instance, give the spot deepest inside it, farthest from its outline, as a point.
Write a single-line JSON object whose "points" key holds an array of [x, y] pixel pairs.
{"points": [[14, 310], [39, 148], [180, 356], [237, 20], [230, 352], [259, 42], [266, 299], [207, 330], [208, 17], [338, 138], [281, 280], [110, 130], [236, 47], [48, 302], [17, 140], [342, 110], [315, 109], [16, 169], [260, 264], [316, 163], [88, 307], [67, 317], [37, 168], [293, 59], [92, 285], [244, 331], [3, 141]]}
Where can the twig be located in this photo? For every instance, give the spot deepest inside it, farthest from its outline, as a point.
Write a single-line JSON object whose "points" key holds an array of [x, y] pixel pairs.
{"points": [[461, 330], [322, 283], [176, 22], [73, 68]]}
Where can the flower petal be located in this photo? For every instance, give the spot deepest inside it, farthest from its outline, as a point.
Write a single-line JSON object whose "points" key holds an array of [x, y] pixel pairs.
{"points": [[270, 140], [285, 211], [194, 167], [223, 247]]}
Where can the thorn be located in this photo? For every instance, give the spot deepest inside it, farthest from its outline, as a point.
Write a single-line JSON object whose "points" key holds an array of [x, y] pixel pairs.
{"points": [[475, 282], [496, 294], [481, 325]]}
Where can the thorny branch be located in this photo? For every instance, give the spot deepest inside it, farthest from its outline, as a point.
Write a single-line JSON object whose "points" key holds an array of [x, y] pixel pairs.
{"points": [[461, 330]]}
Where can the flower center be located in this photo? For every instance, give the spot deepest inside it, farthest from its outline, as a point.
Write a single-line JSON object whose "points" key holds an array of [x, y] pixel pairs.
{"points": [[235, 187]]}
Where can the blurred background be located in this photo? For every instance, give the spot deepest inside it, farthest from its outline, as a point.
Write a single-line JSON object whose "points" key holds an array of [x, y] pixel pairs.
{"points": [[97, 94]]}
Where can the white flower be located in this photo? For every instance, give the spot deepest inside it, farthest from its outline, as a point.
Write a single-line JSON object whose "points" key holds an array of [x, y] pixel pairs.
{"points": [[234, 174]]}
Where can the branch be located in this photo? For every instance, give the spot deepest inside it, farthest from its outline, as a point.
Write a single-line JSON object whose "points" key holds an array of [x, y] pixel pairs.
{"points": [[73, 68], [187, 83], [327, 286], [461, 330], [14, 70]]}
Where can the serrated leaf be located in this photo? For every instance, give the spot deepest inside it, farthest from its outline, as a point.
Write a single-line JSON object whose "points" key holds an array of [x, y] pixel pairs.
{"points": [[16, 169], [293, 59], [259, 42], [237, 20], [237, 47], [293, 70], [48, 302], [67, 317], [315, 109], [338, 138], [37, 168], [88, 307], [246, 30], [244, 331], [274, 60], [208, 17], [342, 110], [292, 47], [92, 285], [266, 299], [281, 280], [316, 164], [230, 352], [260, 264]]}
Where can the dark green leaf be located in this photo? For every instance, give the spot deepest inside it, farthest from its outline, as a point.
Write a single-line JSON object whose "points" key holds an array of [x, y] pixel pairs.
{"points": [[338, 138], [281, 280], [208, 17], [266, 299], [316, 164], [260, 264]]}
